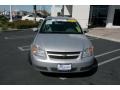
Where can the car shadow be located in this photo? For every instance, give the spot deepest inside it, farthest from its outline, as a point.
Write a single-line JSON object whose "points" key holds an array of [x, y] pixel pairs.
{"points": [[74, 75]]}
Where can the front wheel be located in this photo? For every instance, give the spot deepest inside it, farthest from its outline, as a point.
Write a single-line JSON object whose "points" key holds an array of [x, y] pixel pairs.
{"points": [[29, 59]]}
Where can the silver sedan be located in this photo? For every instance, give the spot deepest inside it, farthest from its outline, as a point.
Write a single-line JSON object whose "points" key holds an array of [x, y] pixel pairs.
{"points": [[61, 46]]}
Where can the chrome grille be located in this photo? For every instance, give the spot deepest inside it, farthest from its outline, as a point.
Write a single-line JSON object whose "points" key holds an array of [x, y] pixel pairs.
{"points": [[63, 55]]}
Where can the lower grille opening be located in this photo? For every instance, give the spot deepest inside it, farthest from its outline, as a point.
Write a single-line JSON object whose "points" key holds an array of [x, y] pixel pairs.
{"points": [[41, 68], [63, 57], [56, 70]]}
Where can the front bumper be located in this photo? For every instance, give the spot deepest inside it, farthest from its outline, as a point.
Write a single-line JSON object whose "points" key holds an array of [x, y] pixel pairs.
{"points": [[83, 65]]}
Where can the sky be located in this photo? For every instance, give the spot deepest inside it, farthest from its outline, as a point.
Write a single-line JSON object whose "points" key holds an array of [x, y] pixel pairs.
{"points": [[28, 8]]}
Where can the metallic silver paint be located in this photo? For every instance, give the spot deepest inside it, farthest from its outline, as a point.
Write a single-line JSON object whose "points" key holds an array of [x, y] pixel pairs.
{"points": [[62, 43]]}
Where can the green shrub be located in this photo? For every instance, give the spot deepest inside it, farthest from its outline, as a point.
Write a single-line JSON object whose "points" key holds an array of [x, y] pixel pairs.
{"points": [[11, 24], [22, 24], [3, 19], [0, 24], [4, 27], [3, 22]]}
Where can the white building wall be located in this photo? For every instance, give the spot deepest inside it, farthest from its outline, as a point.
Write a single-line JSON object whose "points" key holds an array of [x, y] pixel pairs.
{"points": [[110, 17], [81, 14], [55, 9]]}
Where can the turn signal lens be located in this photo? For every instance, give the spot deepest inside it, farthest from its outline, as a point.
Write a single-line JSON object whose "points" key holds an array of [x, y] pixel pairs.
{"points": [[34, 49], [87, 52], [91, 51], [37, 51]]}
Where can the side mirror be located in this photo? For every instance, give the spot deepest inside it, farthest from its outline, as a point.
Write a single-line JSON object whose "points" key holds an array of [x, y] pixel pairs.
{"points": [[35, 29], [85, 30]]}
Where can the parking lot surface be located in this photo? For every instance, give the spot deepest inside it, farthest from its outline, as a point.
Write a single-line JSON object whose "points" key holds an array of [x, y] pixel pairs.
{"points": [[15, 69]]}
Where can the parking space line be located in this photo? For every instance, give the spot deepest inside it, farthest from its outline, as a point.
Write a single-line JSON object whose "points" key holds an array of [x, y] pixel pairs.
{"points": [[18, 37], [24, 48], [20, 48], [27, 48], [109, 60], [100, 64], [107, 53], [62, 78]]}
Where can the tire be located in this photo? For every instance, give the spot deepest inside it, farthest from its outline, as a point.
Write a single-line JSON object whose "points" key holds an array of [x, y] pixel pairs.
{"points": [[29, 59]]}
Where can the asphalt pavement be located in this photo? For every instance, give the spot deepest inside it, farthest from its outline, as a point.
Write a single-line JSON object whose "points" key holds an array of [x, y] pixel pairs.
{"points": [[15, 69]]}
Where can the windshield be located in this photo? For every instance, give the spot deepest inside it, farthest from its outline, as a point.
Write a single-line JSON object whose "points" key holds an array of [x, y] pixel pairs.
{"points": [[61, 27]]}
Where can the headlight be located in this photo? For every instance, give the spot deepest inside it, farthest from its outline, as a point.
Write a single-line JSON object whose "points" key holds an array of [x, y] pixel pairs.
{"points": [[37, 51], [87, 52]]}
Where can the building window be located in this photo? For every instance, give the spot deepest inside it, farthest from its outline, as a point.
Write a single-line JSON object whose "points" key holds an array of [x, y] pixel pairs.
{"points": [[116, 20], [98, 15]]}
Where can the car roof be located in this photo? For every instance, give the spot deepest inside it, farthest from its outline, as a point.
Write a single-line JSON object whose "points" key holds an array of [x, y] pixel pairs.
{"points": [[59, 17]]}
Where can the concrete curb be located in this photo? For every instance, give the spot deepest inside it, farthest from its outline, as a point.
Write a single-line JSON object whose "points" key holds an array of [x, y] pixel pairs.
{"points": [[102, 37], [11, 30]]}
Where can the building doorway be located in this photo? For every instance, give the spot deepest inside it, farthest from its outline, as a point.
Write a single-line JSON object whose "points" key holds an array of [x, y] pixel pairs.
{"points": [[98, 15], [116, 20]]}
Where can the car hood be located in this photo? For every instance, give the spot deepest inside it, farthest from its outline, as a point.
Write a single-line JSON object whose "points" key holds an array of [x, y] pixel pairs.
{"points": [[62, 42]]}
